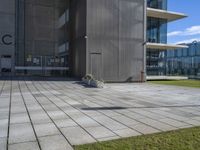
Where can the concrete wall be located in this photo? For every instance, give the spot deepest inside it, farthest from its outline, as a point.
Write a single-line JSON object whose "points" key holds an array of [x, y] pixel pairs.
{"points": [[106, 37], [42, 36], [115, 37], [38, 28], [78, 37], [7, 28]]}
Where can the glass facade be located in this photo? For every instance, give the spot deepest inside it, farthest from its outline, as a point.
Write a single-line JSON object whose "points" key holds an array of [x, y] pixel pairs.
{"points": [[158, 4], [156, 30], [42, 37], [184, 61], [155, 62], [156, 33]]}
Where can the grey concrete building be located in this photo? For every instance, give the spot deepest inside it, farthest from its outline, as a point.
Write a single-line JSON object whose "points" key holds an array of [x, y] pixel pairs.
{"points": [[74, 38], [185, 61], [106, 38], [7, 35]]}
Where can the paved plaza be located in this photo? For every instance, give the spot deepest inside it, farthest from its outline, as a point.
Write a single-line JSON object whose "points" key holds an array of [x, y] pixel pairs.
{"points": [[55, 115]]}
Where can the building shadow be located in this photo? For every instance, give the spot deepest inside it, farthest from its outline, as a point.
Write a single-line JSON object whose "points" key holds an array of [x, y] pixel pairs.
{"points": [[104, 108], [37, 78]]}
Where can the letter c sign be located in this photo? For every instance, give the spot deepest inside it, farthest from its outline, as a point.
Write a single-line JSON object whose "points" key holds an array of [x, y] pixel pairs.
{"points": [[6, 39]]}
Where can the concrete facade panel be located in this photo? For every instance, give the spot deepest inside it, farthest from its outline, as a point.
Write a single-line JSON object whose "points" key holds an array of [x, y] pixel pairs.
{"points": [[7, 31], [7, 6], [6, 50], [115, 29], [78, 37], [101, 37], [7, 22]]}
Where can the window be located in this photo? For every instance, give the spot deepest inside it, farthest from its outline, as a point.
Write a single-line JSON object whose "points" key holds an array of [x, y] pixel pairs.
{"points": [[198, 49], [192, 49], [156, 30], [160, 4]]}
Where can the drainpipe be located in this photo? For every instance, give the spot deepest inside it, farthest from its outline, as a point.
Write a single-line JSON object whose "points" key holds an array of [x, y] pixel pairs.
{"points": [[143, 72]]}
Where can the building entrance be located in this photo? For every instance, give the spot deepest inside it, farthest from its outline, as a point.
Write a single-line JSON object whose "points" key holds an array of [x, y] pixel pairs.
{"points": [[43, 37], [6, 63]]}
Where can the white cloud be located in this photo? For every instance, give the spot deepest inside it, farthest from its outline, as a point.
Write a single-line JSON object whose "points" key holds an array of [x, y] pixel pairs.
{"points": [[188, 41], [175, 33], [193, 30]]}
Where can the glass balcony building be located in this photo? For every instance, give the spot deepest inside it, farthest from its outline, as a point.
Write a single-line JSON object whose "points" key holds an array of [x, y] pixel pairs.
{"points": [[157, 18], [156, 33], [157, 4], [184, 62]]}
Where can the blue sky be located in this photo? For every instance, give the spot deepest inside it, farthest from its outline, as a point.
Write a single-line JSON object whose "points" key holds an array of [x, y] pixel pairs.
{"points": [[188, 29]]}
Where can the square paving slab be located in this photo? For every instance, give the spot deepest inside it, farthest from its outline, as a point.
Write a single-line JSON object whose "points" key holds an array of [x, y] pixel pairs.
{"points": [[55, 115]]}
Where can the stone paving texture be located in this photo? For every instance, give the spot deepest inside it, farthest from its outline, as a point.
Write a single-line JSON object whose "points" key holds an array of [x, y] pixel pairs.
{"points": [[55, 115]]}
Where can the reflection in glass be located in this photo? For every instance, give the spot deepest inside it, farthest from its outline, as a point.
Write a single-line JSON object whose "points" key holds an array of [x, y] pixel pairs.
{"points": [[186, 63]]}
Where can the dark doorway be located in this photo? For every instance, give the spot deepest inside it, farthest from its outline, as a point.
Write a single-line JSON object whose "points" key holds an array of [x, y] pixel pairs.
{"points": [[6, 63]]}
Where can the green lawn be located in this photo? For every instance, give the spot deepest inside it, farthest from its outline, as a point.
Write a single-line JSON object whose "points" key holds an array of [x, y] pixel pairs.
{"points": [[185, 139], [187, 83]]}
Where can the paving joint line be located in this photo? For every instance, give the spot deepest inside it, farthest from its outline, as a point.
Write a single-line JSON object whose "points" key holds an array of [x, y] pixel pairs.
{"points": [[89, 117], [8, 132], [119, 121], [46, 112], [67, 114], [135, 119], [38, 142], [2, 87], [166, 116], [100, 122]]}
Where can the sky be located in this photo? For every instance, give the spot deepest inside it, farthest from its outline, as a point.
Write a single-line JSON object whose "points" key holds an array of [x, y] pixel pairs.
{"points": [[187, 29]]}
